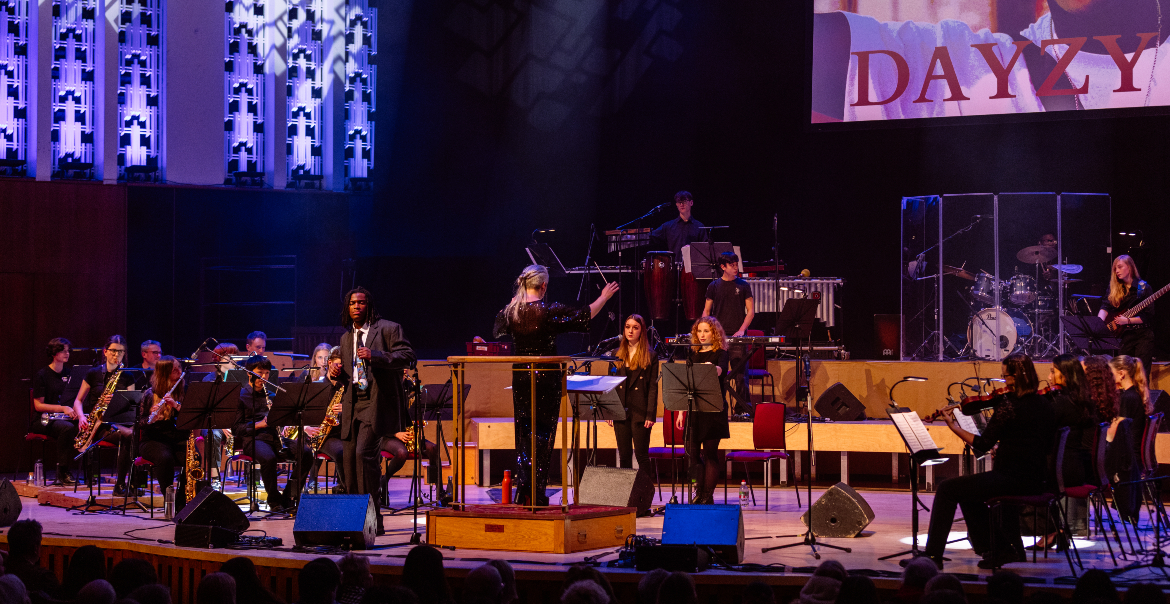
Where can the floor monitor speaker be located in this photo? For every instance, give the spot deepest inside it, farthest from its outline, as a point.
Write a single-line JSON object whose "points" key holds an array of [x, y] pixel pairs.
{"points": [[840, 512], [839, 405], [10, 506], [618, 487], [719, 527], [341, 520]]}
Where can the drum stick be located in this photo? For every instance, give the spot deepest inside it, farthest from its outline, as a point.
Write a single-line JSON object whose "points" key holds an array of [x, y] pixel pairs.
{"points": [[600, 273]]}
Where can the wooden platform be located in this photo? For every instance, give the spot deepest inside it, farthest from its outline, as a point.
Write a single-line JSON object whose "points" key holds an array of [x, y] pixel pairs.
{"points": [[513, 528]]}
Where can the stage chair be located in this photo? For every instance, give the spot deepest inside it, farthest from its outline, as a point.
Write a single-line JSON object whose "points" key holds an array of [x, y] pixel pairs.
{"points": [[141, 463], [33, 437], [323, 471], [1049, 502], [758, 370], [243, 466], [1152, 489], [768, 440], [672, 437], [1095, 493], [411, 456]]}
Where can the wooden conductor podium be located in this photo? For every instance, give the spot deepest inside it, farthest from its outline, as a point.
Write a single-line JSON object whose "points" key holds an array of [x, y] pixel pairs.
{"points": [[560, 529]]}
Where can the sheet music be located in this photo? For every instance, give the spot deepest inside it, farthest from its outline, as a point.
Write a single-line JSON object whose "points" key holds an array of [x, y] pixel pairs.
{"points": [[913, 431], [967, 423]]}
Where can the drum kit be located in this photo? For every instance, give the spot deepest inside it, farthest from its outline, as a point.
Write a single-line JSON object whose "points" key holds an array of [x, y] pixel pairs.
{"points": [[1026, 319]]}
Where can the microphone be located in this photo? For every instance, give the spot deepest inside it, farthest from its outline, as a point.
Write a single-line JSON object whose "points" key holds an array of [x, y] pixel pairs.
{"points": [[202, 346], [980, 216], [608, 343]]}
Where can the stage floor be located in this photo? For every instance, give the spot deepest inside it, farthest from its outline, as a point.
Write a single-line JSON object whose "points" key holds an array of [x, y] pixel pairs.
{"points": [[889, 533]]}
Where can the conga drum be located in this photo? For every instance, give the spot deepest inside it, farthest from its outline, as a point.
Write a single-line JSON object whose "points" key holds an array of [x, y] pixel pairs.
{"points": [[659, 280], [693, 295]]}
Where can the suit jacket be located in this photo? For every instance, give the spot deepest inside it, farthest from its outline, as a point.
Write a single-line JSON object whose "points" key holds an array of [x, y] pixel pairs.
{"points": [[639, 392], [390, 354]]}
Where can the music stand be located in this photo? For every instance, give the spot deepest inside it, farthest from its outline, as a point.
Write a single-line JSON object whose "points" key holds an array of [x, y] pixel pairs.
{"points": [[210, 406], [124, 410], [693, 388], [437, 401], [923, 452], [602, 403], [300, 404], [1090, 333], [542, 254], [702, 261]]}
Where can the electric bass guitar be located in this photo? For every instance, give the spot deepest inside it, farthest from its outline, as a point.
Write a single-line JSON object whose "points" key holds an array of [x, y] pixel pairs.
{"points": [[1111, 321]]}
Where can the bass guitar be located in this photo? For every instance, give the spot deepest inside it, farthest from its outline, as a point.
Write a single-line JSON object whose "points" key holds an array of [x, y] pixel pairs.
{"points": [[1111, 320]]}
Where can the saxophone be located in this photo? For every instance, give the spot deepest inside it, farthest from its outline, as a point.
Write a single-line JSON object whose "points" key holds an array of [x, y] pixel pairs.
{"points": [[85, 437], [193, 469], [331, 419], [411, 445]]}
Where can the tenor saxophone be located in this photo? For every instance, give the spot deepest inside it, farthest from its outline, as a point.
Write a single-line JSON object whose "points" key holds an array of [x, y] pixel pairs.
{"points": [[193, 468], [331, 419], [85, 437]]}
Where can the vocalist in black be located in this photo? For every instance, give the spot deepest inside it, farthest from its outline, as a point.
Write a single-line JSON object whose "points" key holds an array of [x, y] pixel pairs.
{"points": [[534, 324]]}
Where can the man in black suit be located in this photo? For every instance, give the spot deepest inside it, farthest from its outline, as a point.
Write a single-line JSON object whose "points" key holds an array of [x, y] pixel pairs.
{"points": [[374, 354]]}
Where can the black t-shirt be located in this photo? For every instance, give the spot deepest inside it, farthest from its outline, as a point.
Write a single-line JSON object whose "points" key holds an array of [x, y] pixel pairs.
{"points": [[728, 302], [49, 385], [1133, 296], [96, 378]]}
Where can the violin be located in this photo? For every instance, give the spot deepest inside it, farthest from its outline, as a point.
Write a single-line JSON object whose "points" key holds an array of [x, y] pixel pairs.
{"points": [[1047, 390], [972, 404]]}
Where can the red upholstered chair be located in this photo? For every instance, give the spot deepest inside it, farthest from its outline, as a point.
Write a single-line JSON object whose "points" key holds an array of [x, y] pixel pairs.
{"points": [[323, 471], [33, 437], [768, 440], [758, 369], [1049, 502], [673, 452], [141, 464]]}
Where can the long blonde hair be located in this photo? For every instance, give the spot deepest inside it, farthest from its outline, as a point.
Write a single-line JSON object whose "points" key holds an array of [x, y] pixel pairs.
{"points": [[532, 277], [639, 357], [1117, 289], [716, 329], [1133, 366]]}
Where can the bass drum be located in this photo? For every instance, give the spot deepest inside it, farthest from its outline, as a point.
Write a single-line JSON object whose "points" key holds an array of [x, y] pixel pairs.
{"points": [[658, 277], [1013, 328]]}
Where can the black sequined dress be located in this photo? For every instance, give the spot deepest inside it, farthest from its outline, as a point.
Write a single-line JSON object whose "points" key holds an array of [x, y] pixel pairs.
{"points": [[534, 333]]}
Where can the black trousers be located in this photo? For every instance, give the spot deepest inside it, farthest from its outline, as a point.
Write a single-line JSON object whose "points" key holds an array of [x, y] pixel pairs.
{"points": [[121, 436], [64, 432], [334, 447], [165, 456], [1139, 343], [359, 460], [971, 494], [267, 455], [633, 441]]}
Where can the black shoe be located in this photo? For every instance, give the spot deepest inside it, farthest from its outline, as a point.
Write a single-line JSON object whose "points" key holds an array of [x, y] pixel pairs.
{"points": [[121, 490], [381, 529], [904, 562], [996, 560], [66, 478]]}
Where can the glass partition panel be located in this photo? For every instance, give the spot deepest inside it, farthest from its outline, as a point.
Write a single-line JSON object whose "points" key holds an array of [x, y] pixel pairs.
{"points": [[919, 290], [969, 282], [1027, 224], [1084, 241]]}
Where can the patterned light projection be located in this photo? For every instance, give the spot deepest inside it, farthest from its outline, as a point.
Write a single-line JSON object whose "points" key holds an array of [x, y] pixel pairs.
{"points": [[361, 51], [73, 88], [306, 85], [13, 86], [139, 86], [244, 125]]}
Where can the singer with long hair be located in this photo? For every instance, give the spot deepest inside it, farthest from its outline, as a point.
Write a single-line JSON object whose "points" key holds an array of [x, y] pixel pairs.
{"points": [[534, 323], [1126, 290], [638, 362], [708, 346]]}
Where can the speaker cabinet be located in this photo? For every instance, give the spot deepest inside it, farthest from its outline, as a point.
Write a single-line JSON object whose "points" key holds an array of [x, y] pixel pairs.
{"points": [[840, 512], [839, 405], [673, 558], [341, 520], [10, 506], [719, 527], [617, 487], [212, 508]]}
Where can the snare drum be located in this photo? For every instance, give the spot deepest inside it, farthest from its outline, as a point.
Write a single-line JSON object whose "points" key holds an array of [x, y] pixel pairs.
{"points": [[1013, 328], [658, 277], [1022, 290], [984, 288]]}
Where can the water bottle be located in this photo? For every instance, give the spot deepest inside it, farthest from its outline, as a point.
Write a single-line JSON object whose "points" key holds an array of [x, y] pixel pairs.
{"points": [[39, 474], [744, 494], [169, 503], [506, 488]]}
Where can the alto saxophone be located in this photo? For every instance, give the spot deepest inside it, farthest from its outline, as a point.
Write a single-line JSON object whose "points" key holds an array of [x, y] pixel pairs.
{"points": [[94, 419], [331, 419], [411, 445], [193, 468]]}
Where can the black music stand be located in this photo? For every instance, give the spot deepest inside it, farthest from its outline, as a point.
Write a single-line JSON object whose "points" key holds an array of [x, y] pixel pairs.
{"points": [[693, 388], [1091, 334], [211, 406], [542, 254], [923, 452], [300, 404], [704, 259], [601, 404], [124, 410]]}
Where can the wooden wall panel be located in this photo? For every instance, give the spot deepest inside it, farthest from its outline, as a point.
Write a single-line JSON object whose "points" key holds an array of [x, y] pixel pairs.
{"points": [[62, 273]]}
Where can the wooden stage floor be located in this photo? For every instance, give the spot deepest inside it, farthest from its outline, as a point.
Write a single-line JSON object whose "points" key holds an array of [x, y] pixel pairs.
{"points": [[890, 532]]}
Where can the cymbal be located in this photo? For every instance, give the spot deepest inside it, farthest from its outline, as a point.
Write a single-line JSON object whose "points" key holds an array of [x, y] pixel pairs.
{"points": [[1036, 254], [958, 272], [1070, 269]]}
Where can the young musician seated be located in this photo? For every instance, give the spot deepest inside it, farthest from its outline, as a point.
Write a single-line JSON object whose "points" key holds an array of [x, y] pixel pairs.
{"points": [[47, 386], [396, 447], [93, 392], [160, 441], [256, 439], [1023, 427]]}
